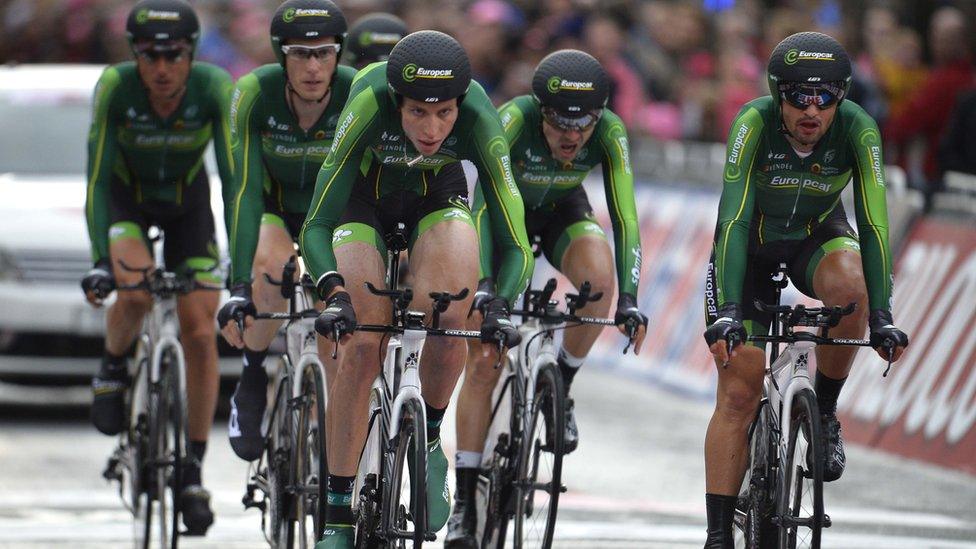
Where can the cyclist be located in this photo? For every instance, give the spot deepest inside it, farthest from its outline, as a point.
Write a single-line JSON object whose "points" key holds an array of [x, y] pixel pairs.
{"points": [[396, 159], [789, 157], [283, 118], [152, 121], [557, 136], [371, 38]]}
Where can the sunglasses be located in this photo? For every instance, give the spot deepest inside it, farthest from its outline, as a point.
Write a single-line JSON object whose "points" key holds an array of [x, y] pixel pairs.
{"points": [[802, 96], [305, 53], [172, 53], [569, 123]]}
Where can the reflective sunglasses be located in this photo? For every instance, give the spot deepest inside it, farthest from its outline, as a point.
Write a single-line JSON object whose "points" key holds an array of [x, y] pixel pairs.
{"points": [[569, 123], [802, 96], [307, 52]]}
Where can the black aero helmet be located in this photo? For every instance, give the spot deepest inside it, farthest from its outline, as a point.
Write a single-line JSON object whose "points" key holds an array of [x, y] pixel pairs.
{"points": [[572, 82], [306, 19], [372, 37], [162, 21], [809, 58], [428, 66]]}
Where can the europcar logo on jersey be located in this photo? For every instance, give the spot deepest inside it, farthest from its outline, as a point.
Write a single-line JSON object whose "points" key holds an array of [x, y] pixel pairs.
{"points": [[412, 72], [291, 13], [794, 55], [146, 15], [556, 84], [732, 170]]}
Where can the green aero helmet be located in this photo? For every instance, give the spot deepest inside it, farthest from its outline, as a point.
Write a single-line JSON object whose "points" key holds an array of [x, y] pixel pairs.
{"points": [[304, 20], [162, 21], [572, 88], [428, 66], [811, 60], [372, 37]]}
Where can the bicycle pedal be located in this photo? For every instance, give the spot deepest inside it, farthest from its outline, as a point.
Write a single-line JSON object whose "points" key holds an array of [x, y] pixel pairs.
{"points": [[562, 488], [826, 521], [430, 537], [111, 471]]}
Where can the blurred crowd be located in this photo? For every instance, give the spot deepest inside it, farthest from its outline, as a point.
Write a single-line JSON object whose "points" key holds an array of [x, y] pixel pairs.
{"points": [[681, 69]]}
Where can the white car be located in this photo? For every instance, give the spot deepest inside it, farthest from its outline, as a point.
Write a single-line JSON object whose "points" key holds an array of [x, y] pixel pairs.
{"points": [[44, 245]]}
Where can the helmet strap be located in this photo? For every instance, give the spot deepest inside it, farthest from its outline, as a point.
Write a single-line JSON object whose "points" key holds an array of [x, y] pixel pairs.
{"points": [[291, 90]]}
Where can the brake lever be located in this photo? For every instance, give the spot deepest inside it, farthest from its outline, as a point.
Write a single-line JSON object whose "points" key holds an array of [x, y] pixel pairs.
{"points": [[888, 346], [335, 341], [730, 342], [631, 334], [239, 318], [500, 344]]}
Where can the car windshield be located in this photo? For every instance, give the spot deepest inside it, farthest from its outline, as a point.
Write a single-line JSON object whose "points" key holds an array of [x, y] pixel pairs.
{"points": [[43, 135]]}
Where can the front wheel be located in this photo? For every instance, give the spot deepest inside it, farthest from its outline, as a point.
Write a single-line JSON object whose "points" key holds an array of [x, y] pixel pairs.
{"points": [[311, 468], [800, 509], [540, 478], [407, 501]]}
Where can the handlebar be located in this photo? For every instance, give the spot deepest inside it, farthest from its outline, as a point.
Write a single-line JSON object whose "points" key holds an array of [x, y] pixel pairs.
{"points": [[162, 283]]}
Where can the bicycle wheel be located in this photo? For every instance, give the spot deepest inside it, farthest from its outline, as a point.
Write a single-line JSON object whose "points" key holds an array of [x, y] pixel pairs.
{"points": [[135, 473], [168, 453], [754, 510], [311, 468], [368, 487], [800, 508], [406, 510], [541, 463], [495, 485], [274, 471]]}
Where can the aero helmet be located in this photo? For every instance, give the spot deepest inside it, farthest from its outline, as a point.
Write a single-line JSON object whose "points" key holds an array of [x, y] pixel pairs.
{"points": [[306, 19], [428, 66], [811, 59], [372, 37], [162, 21], [572, 82]]}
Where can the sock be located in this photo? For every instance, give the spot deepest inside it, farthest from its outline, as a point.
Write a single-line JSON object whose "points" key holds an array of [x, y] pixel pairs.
{"points": [[254, 358], [719, 510], [464, 459], [193, 464], [568, 366], [467, 484], [112, 365], [828, 389], [434, 418], [338, 511]]}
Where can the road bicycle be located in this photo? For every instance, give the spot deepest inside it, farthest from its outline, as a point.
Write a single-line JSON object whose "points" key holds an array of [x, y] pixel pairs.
{"points": [[391, 501], [521, 476], [148, 461], [292, 471], [780, 504]]}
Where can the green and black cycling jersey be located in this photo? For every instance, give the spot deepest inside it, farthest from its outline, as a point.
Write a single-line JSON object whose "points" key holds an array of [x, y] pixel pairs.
{"points": [[547, 183], [773, 194], [277, 161], [370, 140], [157, 158]]}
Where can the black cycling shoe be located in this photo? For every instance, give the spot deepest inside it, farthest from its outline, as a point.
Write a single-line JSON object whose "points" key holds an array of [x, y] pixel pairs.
{"points": [[246, 412], [571, 438], [108, 399], [195, 508], [834, 459], [462, 525]]}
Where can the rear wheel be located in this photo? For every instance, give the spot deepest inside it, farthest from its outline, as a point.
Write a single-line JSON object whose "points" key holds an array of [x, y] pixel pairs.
{"points": [[496, 489], [311, 468], [135, 478], [540, 479], [368, 487], [407, 509], [753, 527], [275, 468], [801, 509]]}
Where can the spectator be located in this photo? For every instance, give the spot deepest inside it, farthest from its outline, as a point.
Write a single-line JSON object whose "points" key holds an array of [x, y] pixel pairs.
{"points": [[486, 39], [603, 38], [927, 110], [957, 151]]}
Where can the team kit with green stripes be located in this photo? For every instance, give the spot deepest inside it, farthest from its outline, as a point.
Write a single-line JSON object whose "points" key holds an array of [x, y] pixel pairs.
{"points": [[316, 155]]}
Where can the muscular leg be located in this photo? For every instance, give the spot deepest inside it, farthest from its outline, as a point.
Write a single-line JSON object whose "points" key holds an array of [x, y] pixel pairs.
{"points": [[737, 396], [451, 243], [124, 317], [196, 311], [588, 258], [839, 280], [474, 400], [360, 364], [274, 249]]}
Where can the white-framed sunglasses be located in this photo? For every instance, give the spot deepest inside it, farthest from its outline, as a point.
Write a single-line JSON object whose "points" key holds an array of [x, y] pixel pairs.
{"points": [[307, 52]]}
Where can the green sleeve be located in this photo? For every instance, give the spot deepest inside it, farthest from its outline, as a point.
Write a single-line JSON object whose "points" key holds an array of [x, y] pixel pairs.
{"points": [[483, 227], [513, 121], [353, 135], [871, 211], [102, 150], [503, 202], [243, 199], [618, 184], [736, 205], [221, 88]]}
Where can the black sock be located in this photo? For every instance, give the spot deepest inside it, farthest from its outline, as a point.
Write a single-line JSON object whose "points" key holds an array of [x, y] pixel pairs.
{"points": [[254, 358], [339, 507], [112, 365], [193, 463], [719, 509], [434, 418], [467, 484], [568, 373], [828, 389]]}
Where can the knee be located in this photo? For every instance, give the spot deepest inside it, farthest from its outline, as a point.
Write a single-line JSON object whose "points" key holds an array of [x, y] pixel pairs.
{"points": [[737, 402], [846, 293], [198, 329], [480, 374], [136, 303]]}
